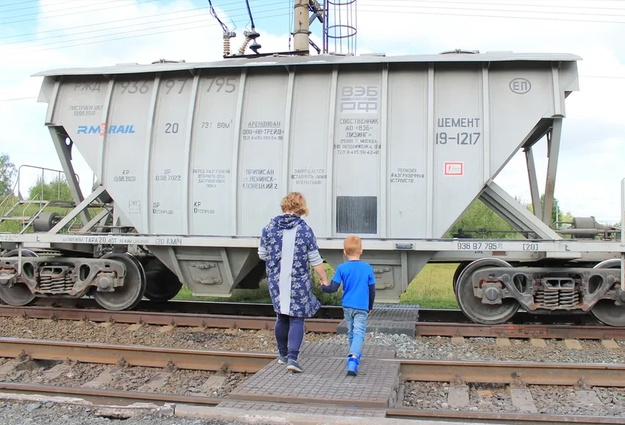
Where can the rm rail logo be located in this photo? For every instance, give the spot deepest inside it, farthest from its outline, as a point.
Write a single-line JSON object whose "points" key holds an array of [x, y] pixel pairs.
{"points": [[103, 128], [520, 85]]}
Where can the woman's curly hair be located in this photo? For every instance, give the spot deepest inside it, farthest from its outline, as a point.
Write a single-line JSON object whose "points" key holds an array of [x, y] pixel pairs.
{"points": [[295, 203]]}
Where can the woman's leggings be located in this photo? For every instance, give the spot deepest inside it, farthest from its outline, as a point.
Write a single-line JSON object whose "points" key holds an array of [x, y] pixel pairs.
{"points": [[289, 335]]}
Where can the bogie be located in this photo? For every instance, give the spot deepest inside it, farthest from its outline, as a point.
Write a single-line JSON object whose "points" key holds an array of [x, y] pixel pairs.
{"points": [[488, 289], [117, 281], [12, 290]]}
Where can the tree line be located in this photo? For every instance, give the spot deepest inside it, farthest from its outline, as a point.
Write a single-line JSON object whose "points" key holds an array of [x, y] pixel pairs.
{"points": [[56, 189]]}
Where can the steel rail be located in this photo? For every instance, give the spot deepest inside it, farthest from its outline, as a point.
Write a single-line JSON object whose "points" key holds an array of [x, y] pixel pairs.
{"points": [[445, 329], [514, 373], [190, 306], [549, 331], [114, 396], [499, 418], [426, 315], [157, 357], [160, 318]]}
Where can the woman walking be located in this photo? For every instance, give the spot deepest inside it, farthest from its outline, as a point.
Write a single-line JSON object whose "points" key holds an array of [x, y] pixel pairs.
{"points": [[289, 247]]}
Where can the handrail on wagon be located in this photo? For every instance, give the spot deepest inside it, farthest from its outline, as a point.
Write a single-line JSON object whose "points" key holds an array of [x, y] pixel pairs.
{"points": [[59, 174], [27, 218]]}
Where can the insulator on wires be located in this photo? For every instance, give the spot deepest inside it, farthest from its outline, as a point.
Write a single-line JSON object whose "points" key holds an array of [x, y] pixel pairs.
{"points": [[226, 46], [244, 45]]}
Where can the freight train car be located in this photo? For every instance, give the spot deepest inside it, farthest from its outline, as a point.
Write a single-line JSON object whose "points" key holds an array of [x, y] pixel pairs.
{"points": [[193, 159]]}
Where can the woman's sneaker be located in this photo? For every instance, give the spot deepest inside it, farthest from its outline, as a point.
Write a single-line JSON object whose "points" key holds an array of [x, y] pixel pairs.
{"points": [[293, 366], [282, 360], [352, 365]]}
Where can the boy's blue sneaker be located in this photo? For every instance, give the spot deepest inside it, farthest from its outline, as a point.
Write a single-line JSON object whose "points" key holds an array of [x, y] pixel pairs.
{"points": [[352, 365], [282, 360], [293, 366]]}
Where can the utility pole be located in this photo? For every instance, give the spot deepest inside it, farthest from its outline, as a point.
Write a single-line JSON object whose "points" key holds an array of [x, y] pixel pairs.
{"points": [[301, 33]]}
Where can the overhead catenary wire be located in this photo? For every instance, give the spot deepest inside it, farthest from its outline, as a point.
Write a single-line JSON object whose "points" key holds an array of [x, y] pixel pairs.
{"points": [[393, 7], [559, 4], [587, 4], [132, 22], [167, 18], [107, 38], [17, 99], [249, 11], [494, 12], [388, 3], [214, 15], [179, 23], [63, 12], [36, 16], [556, 17], [392, 4], [561, 7], [36, 5], [129, 23]]}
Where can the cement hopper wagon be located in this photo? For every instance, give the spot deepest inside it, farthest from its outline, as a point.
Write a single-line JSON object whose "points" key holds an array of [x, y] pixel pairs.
{"points": [[194, 158]]}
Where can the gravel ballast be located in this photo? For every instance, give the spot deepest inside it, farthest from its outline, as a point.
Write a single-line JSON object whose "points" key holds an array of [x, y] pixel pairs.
{"points": [[548, 400]]}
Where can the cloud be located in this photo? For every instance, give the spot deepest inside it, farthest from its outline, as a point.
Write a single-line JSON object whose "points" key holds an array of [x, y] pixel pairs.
{"points": [[593, 131]]}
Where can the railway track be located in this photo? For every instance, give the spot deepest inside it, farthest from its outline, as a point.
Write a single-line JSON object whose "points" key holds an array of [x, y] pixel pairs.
{"points": [[260, 316], [54, 358], [459, 378], [325, 312]]}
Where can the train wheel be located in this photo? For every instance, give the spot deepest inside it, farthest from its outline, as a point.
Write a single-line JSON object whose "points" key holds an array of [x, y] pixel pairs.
{"points": [[129, 295], [605, 310], [472, 307], [459, 270], [161, 283], [18, 294]]}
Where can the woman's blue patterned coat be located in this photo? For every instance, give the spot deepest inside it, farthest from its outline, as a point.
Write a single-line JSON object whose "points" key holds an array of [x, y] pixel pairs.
{"points": [[287, 244]]}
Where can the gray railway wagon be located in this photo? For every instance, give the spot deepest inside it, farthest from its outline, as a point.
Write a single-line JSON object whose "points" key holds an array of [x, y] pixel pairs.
{"points": [[193, 159]]}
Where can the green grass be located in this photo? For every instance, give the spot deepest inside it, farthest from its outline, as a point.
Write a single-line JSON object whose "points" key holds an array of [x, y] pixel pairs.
{"points": [[432, 288], [260, 295]]}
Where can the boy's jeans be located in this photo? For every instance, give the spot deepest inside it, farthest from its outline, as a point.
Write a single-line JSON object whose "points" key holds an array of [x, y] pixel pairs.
{"points": [[356, 327]]}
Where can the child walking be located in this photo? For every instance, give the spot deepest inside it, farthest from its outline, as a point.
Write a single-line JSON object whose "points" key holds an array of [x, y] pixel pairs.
{"points": [[358, 296]]}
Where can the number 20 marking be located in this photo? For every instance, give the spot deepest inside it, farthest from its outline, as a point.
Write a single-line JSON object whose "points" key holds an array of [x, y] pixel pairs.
{"points": [[171, 127]]}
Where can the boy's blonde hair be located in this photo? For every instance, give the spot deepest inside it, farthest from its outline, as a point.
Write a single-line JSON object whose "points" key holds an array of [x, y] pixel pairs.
{"points": [[294, 202], [352, 245]]}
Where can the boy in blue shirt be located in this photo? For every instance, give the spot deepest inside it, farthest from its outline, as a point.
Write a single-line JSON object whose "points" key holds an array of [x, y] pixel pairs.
{"points": [[358, 296]]}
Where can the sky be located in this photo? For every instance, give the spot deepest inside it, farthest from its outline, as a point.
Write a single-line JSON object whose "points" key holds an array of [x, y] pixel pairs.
{"points": [[49, 34]]}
